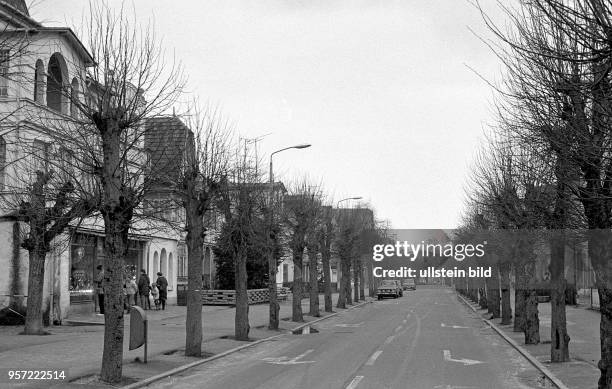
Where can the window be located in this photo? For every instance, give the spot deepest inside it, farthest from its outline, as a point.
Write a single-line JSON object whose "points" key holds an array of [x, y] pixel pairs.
{"points": [[40, 157], [55, 82], [2, 162], [66, 164], [74, 98], [4, 72], [39, 81]]}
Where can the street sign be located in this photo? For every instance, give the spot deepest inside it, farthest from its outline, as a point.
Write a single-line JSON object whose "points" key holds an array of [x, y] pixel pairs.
{"points": [[138, 329]]}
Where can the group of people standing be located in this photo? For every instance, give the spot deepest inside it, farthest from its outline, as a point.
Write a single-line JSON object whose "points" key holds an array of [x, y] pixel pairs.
{"points": [[137, 293]]}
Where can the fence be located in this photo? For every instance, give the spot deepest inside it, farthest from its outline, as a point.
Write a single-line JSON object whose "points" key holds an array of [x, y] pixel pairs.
{"points": [[228, 297]]}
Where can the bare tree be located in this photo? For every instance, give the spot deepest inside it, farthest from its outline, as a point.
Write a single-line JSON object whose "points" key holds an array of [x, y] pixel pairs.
{"points": [[109, 103], [326, 238], [301, 213]]}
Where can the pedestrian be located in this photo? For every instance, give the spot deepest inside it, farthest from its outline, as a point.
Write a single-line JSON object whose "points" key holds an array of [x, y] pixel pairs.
{"points": [[143, 289], [126, 304], [100, 288], [155, 294], [132, 290], [162, 285]]}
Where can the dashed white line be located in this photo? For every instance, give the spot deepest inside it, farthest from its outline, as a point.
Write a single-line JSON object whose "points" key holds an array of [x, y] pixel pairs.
{"points": [[398, 328], [373, 358], [389, 339], [404, 321], [355, 382]]}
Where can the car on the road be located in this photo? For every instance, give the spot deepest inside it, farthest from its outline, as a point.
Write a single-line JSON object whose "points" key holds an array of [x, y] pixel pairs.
{"points": [[391, 288], [408, 284]]}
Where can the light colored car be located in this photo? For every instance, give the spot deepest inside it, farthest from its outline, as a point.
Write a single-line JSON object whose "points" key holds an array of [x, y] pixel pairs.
{"points": [[391, 288], [408, 284]]}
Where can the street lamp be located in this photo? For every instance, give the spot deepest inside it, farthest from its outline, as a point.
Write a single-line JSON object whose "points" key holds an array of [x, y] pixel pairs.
{"points": [[348, 198], [274, 307]]}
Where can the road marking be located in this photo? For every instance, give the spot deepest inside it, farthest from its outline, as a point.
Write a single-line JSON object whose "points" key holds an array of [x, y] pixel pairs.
{"points": [[453, 326], [349, 325], [389, 339], [355, 382], [286, 361], [372, 359], [398, 328], [466, 362]]}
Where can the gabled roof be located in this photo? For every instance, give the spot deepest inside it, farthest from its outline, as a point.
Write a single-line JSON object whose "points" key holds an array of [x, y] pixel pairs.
{"points": [[72, 39]]}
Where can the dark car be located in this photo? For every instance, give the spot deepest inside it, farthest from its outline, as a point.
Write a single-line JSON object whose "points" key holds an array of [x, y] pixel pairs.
{"points": [[391, 288], [408, 284]]}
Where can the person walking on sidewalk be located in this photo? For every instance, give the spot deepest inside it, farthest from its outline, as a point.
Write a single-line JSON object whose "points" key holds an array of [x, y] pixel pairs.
{"points": [[132, 291], [162, 285], [143, 289], [100, 288]]}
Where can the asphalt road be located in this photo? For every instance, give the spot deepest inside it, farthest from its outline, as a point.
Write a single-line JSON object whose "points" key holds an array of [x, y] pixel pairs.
{"points": [[426, 339]]}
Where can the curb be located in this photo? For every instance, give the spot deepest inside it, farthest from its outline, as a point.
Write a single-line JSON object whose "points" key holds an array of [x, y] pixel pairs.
{"points": [[180, 369], [537, 364]]}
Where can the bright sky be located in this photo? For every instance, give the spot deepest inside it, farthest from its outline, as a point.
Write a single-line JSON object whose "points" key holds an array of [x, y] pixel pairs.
{"points": [[381, 89]]}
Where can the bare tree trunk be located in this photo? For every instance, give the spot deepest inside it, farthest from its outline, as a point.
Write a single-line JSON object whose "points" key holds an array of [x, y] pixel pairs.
{"points": [[348, 282], [356, 267], [361, 281], [296, 312], [117, 210], [532, 322], [341, 303], [274, 306], [559, 345], [314, 284], [506, 307], [116, 230], [599, 247], [371, 286], [195, 244], [36, 277], [327, 280], [241, 325], [519, 298], [493, 294]]}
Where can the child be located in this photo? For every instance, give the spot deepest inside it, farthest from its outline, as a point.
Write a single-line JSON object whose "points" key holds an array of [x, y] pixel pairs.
{"points": [[155, 294]]}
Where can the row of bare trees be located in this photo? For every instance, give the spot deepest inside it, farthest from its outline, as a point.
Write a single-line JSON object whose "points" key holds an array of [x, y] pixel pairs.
{"points": [[547, 166], [95, 158]]}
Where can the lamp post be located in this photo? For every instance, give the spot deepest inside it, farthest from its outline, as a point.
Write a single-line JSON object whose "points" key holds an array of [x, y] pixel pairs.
{"points": [[274, 307]]}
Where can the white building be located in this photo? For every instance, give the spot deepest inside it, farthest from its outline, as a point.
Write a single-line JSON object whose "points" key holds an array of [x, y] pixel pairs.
{"points": [[37, 65]]}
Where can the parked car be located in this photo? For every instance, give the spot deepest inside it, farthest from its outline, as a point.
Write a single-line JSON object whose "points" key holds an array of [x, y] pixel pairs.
{"points": [[391, 288], [408, 284]]}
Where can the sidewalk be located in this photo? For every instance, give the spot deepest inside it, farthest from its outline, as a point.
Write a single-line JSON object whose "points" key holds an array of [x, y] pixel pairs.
{"points": [[583, 328], [78, 349]]}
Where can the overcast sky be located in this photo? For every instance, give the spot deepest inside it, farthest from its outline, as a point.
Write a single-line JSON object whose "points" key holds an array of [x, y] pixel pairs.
{"points": [[381, 89]]}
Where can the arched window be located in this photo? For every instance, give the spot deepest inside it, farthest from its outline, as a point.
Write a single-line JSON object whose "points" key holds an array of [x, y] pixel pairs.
{"points": [[39, 81], [2, 162], [155, 265], [163, 262], [56, 78], [74, 97], [170, 276]]}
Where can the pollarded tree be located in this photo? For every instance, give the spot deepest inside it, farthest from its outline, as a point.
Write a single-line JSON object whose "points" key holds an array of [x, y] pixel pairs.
{"points": [[242, 199], [127, 83], [301, 212]]}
